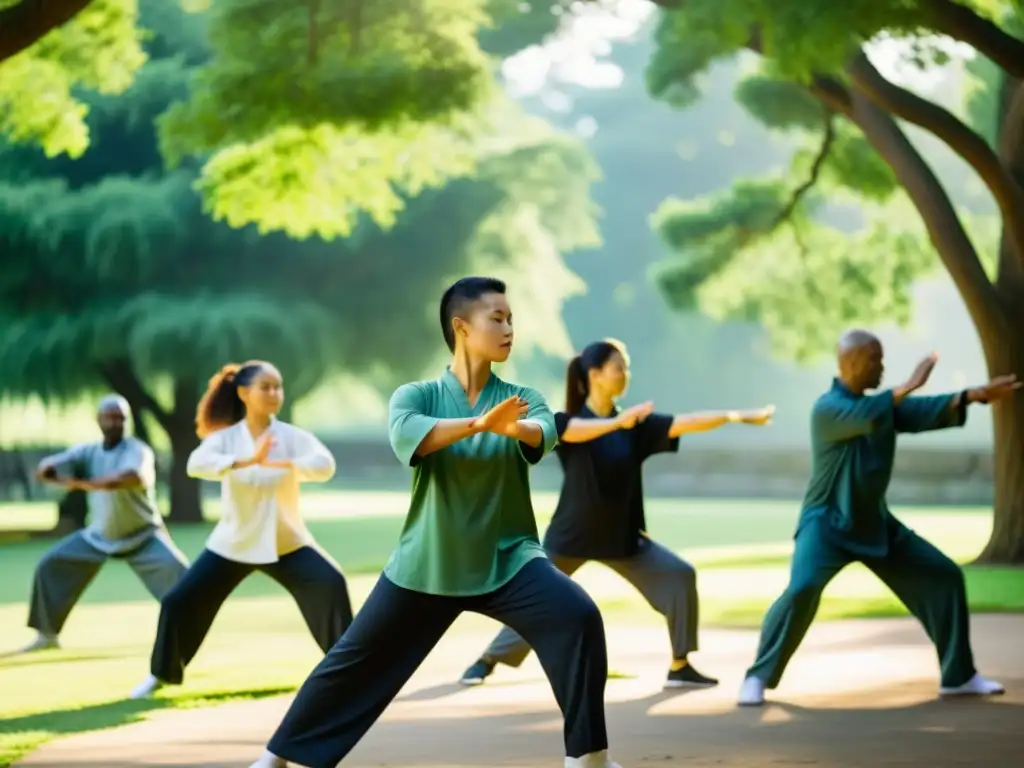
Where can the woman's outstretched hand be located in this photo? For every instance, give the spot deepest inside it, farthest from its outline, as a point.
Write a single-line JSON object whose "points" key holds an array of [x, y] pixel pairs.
{"points": [[757, 416]]}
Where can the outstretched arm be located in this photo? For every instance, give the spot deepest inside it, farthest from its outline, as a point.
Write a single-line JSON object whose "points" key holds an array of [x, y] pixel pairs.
{"points": [[923, 414], [579, 430], [705, 421], [700, 421], [928, 413], [836, 419], [572, 429]]}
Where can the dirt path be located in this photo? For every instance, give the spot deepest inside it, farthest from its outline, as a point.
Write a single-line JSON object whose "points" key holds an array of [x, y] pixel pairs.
{"points": [[859, 694]]}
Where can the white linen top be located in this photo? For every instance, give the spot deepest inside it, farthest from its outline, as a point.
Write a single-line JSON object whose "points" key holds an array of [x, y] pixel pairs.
{"points": [[260, 519]]}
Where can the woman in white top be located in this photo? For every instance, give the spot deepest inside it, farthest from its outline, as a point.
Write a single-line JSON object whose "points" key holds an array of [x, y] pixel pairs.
{"points": [[260, 462]]}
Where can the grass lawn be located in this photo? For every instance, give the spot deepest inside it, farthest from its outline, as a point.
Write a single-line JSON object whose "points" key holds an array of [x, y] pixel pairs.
{"points": [[259, 645]]}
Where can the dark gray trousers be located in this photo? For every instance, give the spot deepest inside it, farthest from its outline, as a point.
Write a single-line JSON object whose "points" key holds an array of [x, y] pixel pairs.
{"points": [[396, 628], [666, 581], [188, 610], [66, 570]]}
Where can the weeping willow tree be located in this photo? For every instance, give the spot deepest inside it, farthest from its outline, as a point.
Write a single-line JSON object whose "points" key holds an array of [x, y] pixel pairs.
{"points": [[116, 276]]}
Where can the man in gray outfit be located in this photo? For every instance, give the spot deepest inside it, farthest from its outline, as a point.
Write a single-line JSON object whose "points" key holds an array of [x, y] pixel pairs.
{"points": [[119, 476]]}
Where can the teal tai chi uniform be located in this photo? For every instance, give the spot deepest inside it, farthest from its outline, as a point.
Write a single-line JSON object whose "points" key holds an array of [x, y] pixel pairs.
{"points": [[469, 544], [845, 519]]}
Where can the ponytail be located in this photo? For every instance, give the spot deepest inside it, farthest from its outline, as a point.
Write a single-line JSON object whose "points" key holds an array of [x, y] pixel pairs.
{"points": [[577, 386], [577, 379], [220, 406]]}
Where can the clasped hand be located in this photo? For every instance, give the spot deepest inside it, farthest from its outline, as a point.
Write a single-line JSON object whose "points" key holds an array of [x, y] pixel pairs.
{"points": [[261, 456], [502, 419]]}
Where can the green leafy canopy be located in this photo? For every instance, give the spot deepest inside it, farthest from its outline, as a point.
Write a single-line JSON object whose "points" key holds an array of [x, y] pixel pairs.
{"points": [[99, 49], [112, 260], [832, 241], [304, 115]]}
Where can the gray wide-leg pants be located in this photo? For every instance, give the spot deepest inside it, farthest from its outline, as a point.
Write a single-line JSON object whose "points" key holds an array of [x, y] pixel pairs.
{"points": [[666, 581], [66, 570]]}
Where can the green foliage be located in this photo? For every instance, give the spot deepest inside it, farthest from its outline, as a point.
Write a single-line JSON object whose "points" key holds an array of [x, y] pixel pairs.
{"points": [[518, 24], [985, 79], [688, 43], [761, 250], [320, 181], [779, 104], [713, 231], [341, 62], [100, 49], [110, 258], [851, 166], [321, 112], [388, 95], [806, 285]]}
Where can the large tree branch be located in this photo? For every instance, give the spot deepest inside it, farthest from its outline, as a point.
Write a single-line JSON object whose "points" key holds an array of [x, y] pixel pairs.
{"points": [[827, 140], [26, 22], [963, 24], [944, 227], [1010, 275], [945, 230], [1008, 194]]}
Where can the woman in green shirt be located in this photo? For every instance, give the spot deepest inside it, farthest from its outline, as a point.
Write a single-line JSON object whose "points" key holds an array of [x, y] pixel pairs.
{"points": [[469, 543], [600, 512]]}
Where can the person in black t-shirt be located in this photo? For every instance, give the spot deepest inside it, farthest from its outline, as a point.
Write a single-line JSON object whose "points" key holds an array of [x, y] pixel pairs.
{"points": [[600, 512]]}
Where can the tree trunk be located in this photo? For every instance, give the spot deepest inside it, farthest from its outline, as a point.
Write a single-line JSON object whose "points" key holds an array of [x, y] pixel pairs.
{"points": [[139, 427], [1006, 545], [186, 499], [186, 502], [26, 22], [1004, 353]]}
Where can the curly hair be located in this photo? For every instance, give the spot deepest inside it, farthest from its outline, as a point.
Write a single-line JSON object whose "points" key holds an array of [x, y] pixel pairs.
{"points": [[220, 406]]}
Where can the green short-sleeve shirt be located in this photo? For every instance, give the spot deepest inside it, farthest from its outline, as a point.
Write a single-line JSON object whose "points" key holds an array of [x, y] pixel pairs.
{"points": [[471, 525]]}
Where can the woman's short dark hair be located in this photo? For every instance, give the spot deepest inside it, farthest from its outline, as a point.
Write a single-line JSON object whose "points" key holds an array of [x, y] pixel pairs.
{"points": [[459, 296]]}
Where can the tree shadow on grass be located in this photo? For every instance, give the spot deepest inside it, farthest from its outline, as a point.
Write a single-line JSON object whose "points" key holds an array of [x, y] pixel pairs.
{"points": [[21, 735]]}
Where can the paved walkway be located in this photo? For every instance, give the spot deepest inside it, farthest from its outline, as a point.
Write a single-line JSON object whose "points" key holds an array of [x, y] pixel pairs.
{"points": [[859, 694]]}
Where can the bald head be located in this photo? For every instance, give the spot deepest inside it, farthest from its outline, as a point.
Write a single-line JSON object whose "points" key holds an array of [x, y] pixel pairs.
{"points": [[114, 403], [859, 354], [855, 339], [111, 414]]}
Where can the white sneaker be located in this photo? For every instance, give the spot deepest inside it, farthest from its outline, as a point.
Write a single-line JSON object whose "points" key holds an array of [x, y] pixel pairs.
{"points": [[269, 760], [976, 686], [751, 692], [41, 643], [591, 760], [146, 688]]}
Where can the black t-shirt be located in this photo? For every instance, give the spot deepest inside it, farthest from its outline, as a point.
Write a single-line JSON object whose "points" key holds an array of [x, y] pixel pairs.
{"points": [[600, 512]]}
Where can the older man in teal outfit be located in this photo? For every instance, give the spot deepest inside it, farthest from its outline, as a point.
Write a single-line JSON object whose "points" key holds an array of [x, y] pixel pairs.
{"points": [[845, 517]]}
